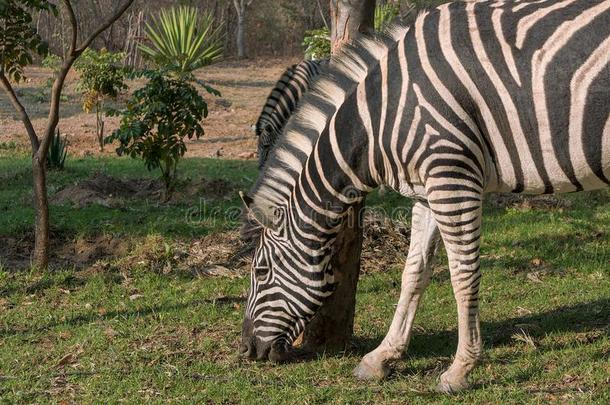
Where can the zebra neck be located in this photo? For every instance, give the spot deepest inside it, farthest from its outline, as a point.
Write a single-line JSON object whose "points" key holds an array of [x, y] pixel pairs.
{"points": [[327, 159]]}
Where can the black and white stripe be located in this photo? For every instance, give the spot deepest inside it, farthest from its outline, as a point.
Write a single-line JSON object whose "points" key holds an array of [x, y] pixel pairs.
{"points": [[474, 97], [283, 101]]}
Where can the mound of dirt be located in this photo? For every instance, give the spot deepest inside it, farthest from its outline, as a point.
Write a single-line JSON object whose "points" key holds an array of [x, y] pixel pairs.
{"points": [[107, 191], [112, 192], [526, 202], [80, 252]]}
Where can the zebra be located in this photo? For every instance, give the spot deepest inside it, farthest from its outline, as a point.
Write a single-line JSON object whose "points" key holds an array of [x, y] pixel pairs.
{"points": [[472, 98], [282, 101]]}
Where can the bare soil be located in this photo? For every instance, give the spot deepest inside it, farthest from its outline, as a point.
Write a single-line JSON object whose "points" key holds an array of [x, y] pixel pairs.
{"points": [[112, 192], [386, 244], [244, 86]]}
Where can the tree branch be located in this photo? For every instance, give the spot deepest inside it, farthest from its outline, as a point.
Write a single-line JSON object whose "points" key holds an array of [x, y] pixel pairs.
{"points": [[117, 14], [322, 14], [25, 118], [73, 25], [65, 69]]}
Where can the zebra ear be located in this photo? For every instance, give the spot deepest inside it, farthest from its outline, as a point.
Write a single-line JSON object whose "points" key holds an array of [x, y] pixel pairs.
{"points": [[265, 217]]}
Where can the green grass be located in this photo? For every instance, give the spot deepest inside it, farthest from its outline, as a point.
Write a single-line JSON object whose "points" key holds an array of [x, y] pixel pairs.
{"points": [[137, 336], [138, 218]]}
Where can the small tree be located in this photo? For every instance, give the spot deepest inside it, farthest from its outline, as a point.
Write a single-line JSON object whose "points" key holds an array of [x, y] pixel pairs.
{"points": [[18, 42], [156, 121], [101, 77], [168, 108]]}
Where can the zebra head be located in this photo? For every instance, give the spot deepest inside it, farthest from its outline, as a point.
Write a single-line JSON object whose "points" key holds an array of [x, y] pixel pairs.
{"points": [[288, 283]]}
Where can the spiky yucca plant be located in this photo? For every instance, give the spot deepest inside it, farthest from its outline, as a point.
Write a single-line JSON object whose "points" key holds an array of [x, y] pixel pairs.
{"points": [[58, 150], [182, 41]]}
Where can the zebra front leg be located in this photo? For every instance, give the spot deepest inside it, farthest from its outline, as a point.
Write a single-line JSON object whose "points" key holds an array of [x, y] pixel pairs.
{"points": [[416, 275], [459, 221]]}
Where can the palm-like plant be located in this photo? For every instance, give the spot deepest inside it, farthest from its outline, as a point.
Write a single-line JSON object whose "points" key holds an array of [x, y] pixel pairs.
{"points": [[182, 41]]}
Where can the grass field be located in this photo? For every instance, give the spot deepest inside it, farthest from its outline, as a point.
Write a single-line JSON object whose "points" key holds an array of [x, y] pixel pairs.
{"points": [[106, 333]]}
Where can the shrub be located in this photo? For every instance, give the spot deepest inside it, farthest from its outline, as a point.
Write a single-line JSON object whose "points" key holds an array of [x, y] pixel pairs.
{"points": [[317, 44], [58, 151], [182, 42], [102, 76], [156, 121]]}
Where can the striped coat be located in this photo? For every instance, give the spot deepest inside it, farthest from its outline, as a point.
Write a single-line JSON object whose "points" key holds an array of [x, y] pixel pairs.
{"points": [[282, 102], [474, 97]]}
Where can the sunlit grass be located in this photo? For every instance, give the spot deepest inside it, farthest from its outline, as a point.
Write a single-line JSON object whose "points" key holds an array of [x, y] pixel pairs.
{"points": [[110, 335]]}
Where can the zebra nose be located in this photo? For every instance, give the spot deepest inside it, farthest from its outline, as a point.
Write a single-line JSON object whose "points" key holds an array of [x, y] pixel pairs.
{"points": [[246, 350]]}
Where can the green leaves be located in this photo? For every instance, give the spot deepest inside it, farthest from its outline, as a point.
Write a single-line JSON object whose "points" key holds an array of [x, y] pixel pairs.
{"points": [[317, 44], [156, 121], [181, 41], [18, 38], [101, 75], [385, 14]]}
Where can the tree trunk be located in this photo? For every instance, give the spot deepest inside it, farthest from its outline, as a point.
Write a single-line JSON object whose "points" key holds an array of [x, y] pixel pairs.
{"points": [[333, 325], [350, 18], [41, 231], [241, 46]]}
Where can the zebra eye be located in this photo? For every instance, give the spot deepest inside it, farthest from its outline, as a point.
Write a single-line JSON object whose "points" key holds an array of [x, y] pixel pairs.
{"points": [[261, 273]]}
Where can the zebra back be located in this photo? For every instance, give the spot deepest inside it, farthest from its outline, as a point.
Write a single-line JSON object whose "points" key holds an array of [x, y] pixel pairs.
{"points": [[282, 102]]}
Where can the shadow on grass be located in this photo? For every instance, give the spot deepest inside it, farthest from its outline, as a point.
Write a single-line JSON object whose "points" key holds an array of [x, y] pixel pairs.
{"points": [[82, 319], [582, 317]]}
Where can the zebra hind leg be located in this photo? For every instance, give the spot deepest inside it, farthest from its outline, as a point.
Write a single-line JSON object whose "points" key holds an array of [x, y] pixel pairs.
{"points": [[459, 221], [416, 275]]}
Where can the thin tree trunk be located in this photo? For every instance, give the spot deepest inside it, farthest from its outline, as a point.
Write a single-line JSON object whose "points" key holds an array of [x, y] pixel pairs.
{"points": [[333, 325], [40, 146], [241, 47], [241, 7], [41, 231]]}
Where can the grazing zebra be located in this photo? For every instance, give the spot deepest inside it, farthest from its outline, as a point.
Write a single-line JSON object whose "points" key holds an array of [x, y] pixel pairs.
{"points": [[282, 102], [474, 97]]}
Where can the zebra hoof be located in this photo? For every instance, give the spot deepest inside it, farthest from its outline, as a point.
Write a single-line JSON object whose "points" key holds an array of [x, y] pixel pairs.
{"points": [[452, 386], [366, 372]]}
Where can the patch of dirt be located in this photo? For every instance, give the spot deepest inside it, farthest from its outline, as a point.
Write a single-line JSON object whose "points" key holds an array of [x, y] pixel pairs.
{"points": [[112, 192], [386, 243], [526, 202], [107, 191], [220, 254], [79, 252], [244, 85]]}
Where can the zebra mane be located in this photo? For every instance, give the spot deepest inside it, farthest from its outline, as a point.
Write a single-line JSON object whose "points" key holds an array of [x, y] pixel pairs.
{"points": [[347, 69]]}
